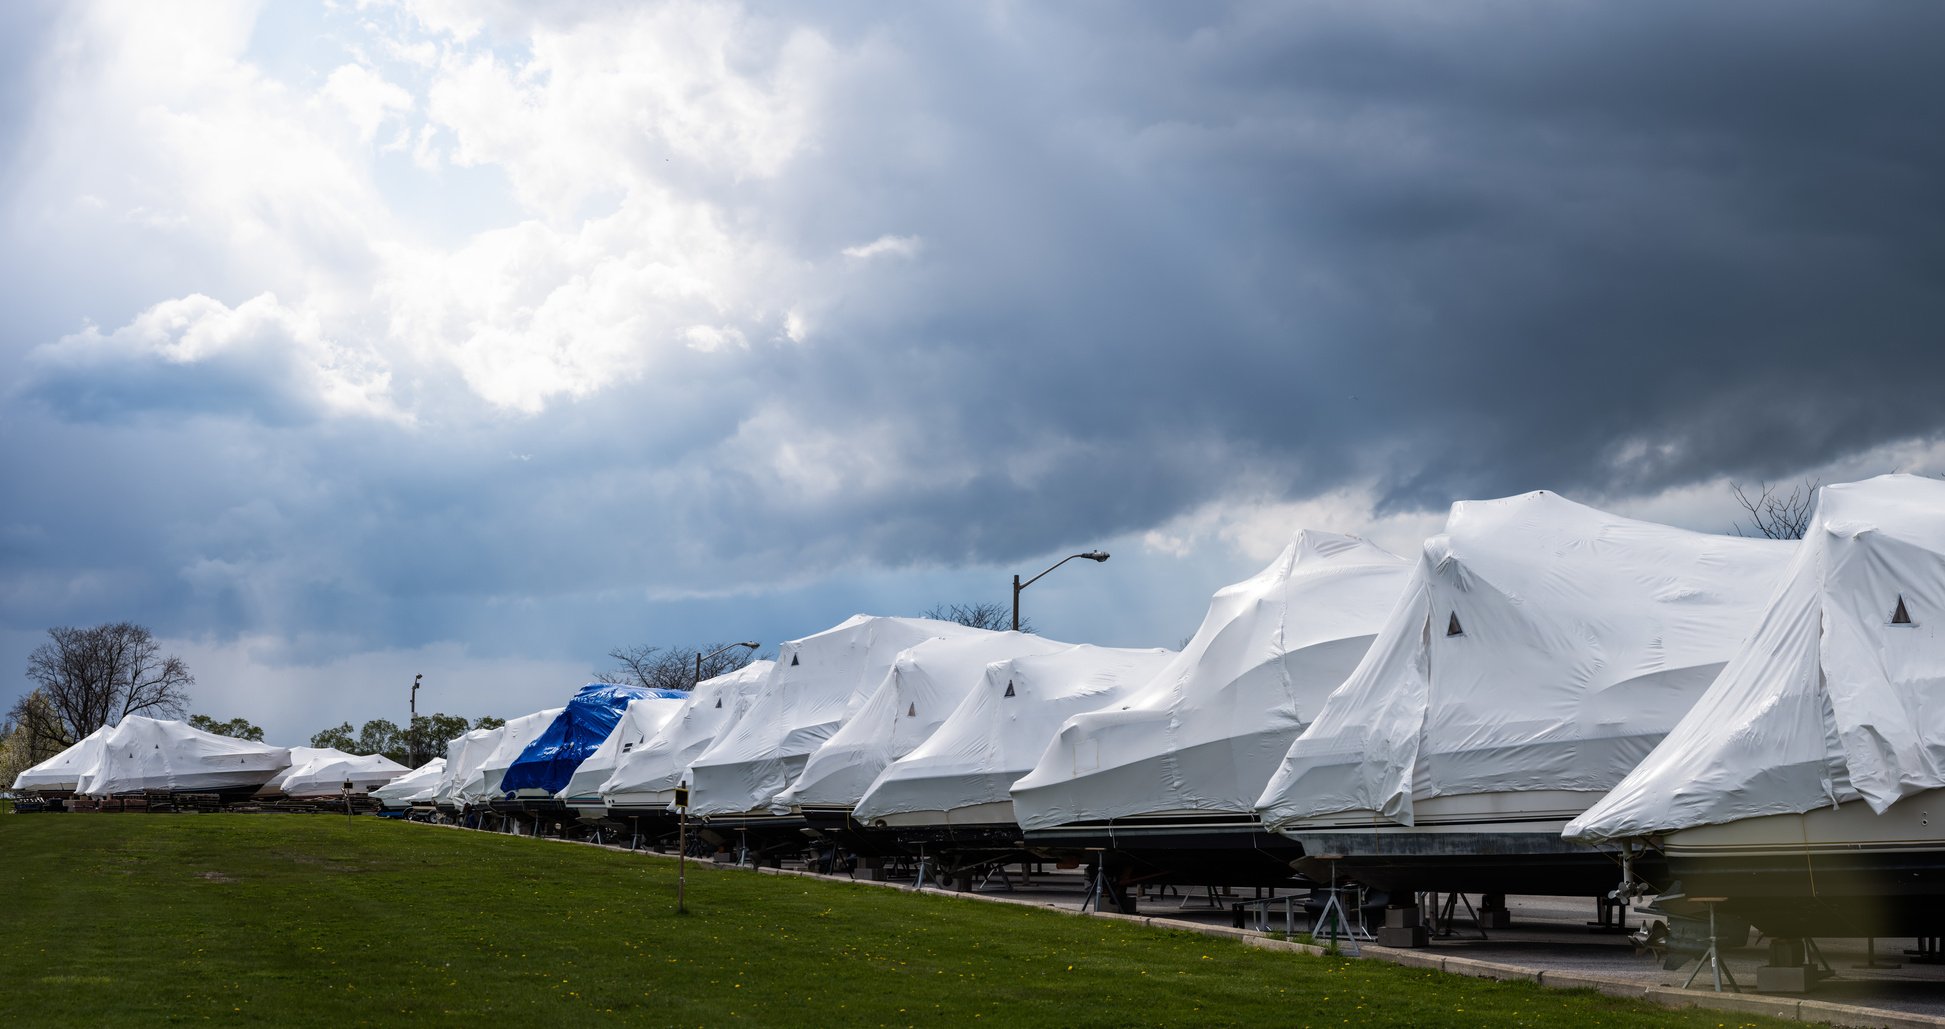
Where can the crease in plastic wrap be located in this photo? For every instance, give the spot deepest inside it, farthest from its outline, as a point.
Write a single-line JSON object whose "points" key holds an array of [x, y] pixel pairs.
{"points": [[1834, 698], [925, 684], [142, 753], [1001, 729], [649, 773], [1539, 645], [639, 721], [819, 681], [1208, 732]]}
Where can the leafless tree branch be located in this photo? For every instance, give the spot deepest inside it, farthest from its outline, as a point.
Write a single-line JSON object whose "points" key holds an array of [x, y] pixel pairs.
{"points": [[997, 617], [1773, 515], [96, 676]]}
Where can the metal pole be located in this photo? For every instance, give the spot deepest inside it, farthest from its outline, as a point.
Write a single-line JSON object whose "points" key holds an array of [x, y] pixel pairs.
{"points": [[1016, 603], [413, 749], [682, 859]]}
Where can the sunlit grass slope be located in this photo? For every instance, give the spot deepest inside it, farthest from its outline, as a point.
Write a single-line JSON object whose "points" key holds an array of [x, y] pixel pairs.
{"points": [[294, 920]]}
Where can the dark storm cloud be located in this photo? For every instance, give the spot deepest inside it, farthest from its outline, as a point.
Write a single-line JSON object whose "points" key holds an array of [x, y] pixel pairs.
{"points": [[1451, 251], [1487, 248]]}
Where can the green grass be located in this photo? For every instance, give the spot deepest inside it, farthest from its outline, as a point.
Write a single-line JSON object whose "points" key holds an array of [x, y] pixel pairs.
{"points": [[294, 920]]}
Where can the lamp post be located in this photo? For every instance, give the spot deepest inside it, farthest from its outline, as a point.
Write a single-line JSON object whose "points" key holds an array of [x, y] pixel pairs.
{"points": [[1092, 555], [682, 799], [409, 734], [701, 657]]}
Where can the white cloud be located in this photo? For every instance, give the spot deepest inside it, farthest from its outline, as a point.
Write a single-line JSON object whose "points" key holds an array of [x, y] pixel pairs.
{"points": [[258, 354], [1260, 528], [365, 98], [896, 246], [610, 103]]}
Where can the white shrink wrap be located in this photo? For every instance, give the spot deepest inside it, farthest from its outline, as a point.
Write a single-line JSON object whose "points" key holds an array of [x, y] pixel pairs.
{"points": [[1838, 695], [639, 722], [152, 754], [1541, 645], [819, 681], [926, 683], [463, 756], [413, 786], [326, 776], [647, 775], [483, 785], [1210, 730], [961, 774], [63, 772]]}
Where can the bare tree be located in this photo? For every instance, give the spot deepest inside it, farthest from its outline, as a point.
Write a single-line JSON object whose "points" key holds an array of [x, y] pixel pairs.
{"points": [[1773, 515], [997, 617], [99, 675], [672, 668]]}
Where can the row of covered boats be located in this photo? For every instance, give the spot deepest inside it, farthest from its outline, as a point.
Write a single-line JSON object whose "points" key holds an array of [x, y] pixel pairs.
{"points": [[1546, 698]]}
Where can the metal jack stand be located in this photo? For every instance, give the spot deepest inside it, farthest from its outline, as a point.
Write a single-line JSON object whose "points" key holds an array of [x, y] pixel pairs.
{"points": [[1713, 955], [1871, 959], [1188, 898], [992, 871], [1444, 916], [924, 867], [1095, 882], [1333, 915], [1929, 951]]}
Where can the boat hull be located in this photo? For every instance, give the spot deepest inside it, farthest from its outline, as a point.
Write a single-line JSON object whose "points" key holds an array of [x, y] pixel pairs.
{"points": [[1846, 871], [1472, 843], [1199, 849]]}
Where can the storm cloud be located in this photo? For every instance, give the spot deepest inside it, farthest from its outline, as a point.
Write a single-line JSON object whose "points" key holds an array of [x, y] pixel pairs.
{"points": [[347, 332]]}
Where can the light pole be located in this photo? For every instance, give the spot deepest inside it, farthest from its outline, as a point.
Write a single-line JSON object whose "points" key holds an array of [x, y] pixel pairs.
{"points": [[701, 657], [409, 734], [1092, 555], [682, 800]]}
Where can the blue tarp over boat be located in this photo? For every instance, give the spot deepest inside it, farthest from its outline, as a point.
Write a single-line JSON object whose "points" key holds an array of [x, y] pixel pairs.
{"points": [[550, 760]]}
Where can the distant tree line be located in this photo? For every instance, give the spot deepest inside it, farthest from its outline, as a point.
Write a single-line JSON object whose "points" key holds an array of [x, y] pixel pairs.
{"points": [[236, 728], [423, 740]]}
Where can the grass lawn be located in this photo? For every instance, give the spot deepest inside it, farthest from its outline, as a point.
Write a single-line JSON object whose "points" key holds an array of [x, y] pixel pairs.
{"points": [[294, 920]]}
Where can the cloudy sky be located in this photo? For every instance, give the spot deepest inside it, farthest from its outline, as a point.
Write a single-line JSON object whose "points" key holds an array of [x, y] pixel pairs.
{"points": [[349, 341]]}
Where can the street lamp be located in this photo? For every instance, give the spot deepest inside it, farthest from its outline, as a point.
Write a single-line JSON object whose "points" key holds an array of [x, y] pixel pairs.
{"points": [[409, 735], [701, 657], [1092, 555]]}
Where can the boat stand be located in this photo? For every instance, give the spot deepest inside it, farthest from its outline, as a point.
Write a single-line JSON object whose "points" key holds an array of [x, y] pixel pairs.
{"points": [[1713, 955], [1929, 951], [1871, 958], [1212, 898], [924, 868], [1333, 916], [1443, 918], [996, 870], [1094, 884]]}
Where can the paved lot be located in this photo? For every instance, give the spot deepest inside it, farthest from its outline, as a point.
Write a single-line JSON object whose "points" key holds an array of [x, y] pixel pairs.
{"points": [[1553, 934]]}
